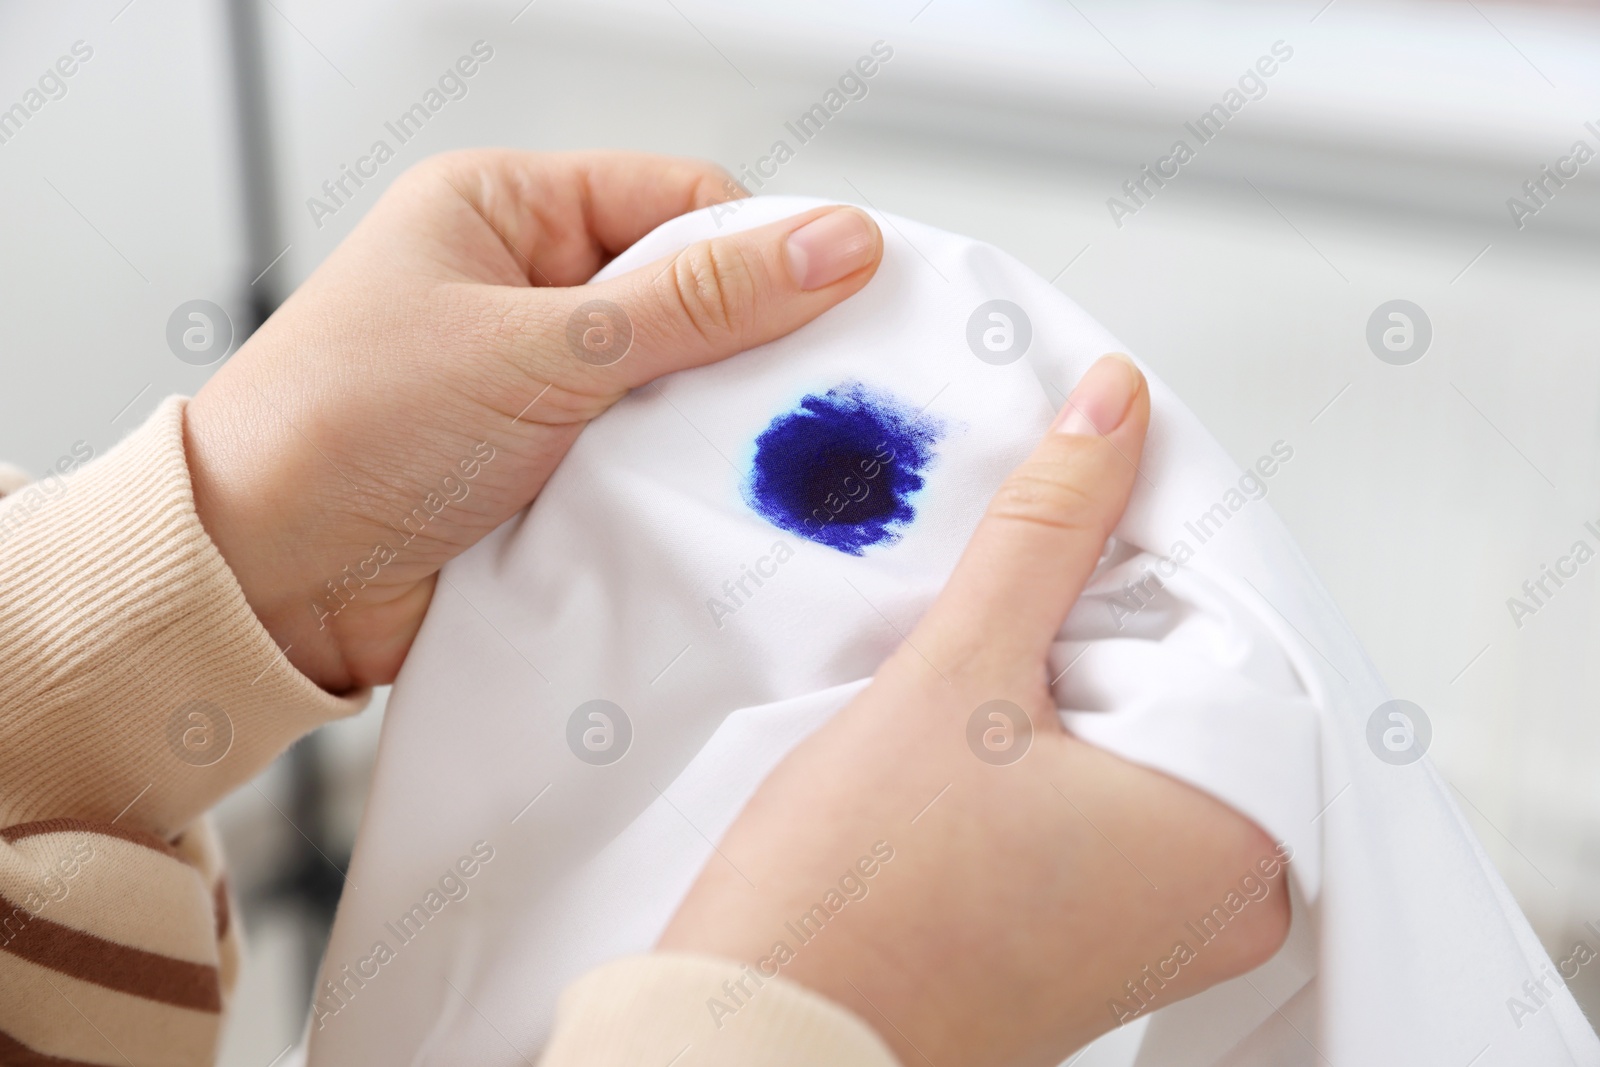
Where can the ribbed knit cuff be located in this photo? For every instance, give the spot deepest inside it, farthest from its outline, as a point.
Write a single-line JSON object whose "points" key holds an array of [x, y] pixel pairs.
{"points": [[674, 1008], [134, 678]]}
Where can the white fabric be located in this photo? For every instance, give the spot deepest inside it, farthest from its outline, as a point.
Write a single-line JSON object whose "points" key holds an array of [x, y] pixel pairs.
{"points": [[1241, 678]]}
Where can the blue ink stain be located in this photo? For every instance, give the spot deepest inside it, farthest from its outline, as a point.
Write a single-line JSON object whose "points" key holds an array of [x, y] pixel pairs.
{"points": [[842, 467]]}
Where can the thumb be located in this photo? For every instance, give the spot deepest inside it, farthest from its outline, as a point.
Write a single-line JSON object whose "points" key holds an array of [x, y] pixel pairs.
{"points": [[1046, 528], [721, 296]]}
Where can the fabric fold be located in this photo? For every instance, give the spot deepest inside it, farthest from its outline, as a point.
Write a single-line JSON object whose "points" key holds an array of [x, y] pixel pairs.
{"points": [[602, 682]]}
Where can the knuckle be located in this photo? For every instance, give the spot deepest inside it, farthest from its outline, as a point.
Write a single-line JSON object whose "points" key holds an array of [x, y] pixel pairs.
{"points": [[446, 177], [519, 338], [461, 160], [452, 160], [1045, 497], [713, 284], [448, 165]]}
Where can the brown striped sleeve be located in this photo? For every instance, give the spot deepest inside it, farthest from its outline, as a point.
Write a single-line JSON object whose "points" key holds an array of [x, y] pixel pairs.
{"points": [[115, 946], [199, 847]]}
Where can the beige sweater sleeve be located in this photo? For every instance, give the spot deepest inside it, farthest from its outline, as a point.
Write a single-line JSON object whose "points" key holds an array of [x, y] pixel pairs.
{"points": [[695, 1011], [136, 684], [136, 689]]}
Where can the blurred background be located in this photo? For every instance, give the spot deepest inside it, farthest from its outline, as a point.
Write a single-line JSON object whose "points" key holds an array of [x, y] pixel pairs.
{"points": [[1384, 159]]}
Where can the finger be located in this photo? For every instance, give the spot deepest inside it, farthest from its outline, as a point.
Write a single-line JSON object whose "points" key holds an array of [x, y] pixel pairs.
{"points": [[1045, 529], [727, 294], [564, 215]]}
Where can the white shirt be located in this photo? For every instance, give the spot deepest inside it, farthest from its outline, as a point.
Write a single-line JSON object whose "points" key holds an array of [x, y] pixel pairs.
{"points": [[1231, 669]]}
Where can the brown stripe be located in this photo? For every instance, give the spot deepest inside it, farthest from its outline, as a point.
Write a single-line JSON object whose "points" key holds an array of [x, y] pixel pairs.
{"points": [[14, 1053], [106, 963], [219, 900], [13, 834]]}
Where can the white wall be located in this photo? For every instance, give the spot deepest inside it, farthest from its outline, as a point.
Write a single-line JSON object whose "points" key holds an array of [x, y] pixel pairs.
{"points": [[118, 206]]}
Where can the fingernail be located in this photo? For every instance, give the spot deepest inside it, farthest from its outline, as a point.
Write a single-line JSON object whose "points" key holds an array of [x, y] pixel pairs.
{"points": [[1102, 398], [826, 249]]}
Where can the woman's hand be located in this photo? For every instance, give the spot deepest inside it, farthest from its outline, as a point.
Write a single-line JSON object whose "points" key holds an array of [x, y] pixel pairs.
{"points": [[1022, 898], [421, 386]]}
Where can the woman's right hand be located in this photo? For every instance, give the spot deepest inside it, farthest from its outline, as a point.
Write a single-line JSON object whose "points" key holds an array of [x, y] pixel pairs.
{"points": [[1022, 899]]}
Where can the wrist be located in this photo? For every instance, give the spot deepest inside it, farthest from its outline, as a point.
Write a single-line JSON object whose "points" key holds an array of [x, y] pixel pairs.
{"points": [[251, 516]]}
